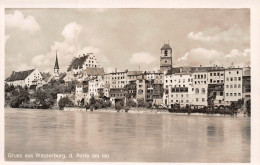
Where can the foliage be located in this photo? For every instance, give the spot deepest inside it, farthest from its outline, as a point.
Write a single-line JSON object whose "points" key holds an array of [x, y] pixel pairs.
{"points": [[65, 102], [98, 103], [131, 103], [43, 99], [248, 106], [21, 97]]}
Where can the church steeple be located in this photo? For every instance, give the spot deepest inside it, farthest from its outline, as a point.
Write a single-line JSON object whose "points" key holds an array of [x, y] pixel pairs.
{"points": [[56, 62], [56, 67]]}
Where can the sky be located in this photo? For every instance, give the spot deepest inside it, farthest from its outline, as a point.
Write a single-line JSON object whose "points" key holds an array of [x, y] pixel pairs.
{"points": [[125, 38]]}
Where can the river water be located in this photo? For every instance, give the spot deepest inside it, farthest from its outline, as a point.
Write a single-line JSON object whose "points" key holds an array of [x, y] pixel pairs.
{"points": [[125, 137]]}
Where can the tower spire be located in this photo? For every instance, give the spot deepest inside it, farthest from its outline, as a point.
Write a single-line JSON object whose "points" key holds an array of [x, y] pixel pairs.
{"points": [[56, 62]]}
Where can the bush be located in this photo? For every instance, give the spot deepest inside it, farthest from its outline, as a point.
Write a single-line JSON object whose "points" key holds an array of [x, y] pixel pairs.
{"points": [[131, 103], [118, 106], [127, 109], [65, 102]]}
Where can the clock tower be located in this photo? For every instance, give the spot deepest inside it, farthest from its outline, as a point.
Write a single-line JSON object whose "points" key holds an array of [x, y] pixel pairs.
{"points": [[166, 58]]}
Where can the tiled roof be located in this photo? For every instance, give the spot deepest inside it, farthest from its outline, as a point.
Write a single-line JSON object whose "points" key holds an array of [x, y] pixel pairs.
{"points": [[77, 62], [95, 71], [134, 73], [166, 46], [45, 76], [19, 75]]}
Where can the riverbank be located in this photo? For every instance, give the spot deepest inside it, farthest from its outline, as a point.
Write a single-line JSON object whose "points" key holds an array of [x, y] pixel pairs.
{"points": [[138, 110], [135, 110]]}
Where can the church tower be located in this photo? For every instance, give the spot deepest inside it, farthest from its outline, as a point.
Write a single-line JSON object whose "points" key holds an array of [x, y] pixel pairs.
{"points": [[56, 67], [166, 58]]}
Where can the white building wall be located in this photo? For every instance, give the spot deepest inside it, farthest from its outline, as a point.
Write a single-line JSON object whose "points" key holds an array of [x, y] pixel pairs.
{"points": [[182, 98], [200, 88], [233, 85]]}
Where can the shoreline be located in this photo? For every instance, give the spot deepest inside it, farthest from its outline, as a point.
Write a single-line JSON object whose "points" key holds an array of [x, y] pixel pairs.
{"points": [[131, 111]]}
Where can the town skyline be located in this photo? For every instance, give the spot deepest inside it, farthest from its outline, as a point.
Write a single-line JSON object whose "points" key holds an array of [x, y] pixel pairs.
{"points": [[144, 34]]}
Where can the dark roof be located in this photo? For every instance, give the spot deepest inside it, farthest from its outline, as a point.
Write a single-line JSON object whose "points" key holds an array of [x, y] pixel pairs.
{"points": [[95, 71], [77, 62], [56, 63], [19, 75], [166, 46], [45, 76], [134, 73]]}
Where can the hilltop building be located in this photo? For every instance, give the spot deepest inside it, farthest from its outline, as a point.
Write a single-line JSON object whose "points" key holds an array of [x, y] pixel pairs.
{"points": [[30, 78], [80, 67]]}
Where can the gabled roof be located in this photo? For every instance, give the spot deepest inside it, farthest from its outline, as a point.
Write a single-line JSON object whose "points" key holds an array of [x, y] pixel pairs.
{"points": [[45, 76], [95, 71], [166, 47], [19, 75], [77, 62]]}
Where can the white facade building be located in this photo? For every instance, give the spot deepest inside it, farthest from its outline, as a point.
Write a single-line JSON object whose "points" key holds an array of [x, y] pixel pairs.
{"points": [[200, 88], [25, 78], [233, 85], [181, 89]]}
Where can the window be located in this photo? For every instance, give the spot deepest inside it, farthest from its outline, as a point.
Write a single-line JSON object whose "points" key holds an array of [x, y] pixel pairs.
{"points": [[203, 90], [239, 86], [235, 94], [203, 99], [237, 72], [231, 86], [235, 78], [214, 74], [227, 79], [226, 86], [221, 93], [235, 86], [197, 91], [181, 95], [226, 94], [231, 79], [195, 76], [165, 61], [239, 78], [230, 94], [239, 94], [210, 74], [218, 74], [197, 99], [210, 80]]}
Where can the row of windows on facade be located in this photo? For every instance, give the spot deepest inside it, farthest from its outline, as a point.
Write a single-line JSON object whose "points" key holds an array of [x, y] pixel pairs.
{"points": [[216, 74], [91, 65], [117, 95], [233, 78], [216, 81], [231, 94], [122, 77], [179, 81], [235, 86]]}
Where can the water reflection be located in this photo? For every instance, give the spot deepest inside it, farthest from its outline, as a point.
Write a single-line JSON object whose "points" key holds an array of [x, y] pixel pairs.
{"points": [[128, 137]]}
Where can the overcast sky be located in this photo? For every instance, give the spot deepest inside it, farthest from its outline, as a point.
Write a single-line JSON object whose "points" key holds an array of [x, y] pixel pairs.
{"points": [[125, 38]]}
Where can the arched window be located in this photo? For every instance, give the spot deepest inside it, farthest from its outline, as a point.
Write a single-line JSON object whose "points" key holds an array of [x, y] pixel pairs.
{"points": [[197, 90], [203, 91]]}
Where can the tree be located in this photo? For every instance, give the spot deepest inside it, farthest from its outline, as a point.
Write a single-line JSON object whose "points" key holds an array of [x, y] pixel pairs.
{"points": [[21, 97], [65, 102], [43, 99], [248, 106], [130, 103]]}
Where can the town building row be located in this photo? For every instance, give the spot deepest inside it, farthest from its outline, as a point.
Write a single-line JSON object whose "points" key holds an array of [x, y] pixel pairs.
{"points": [[185, 86]]}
